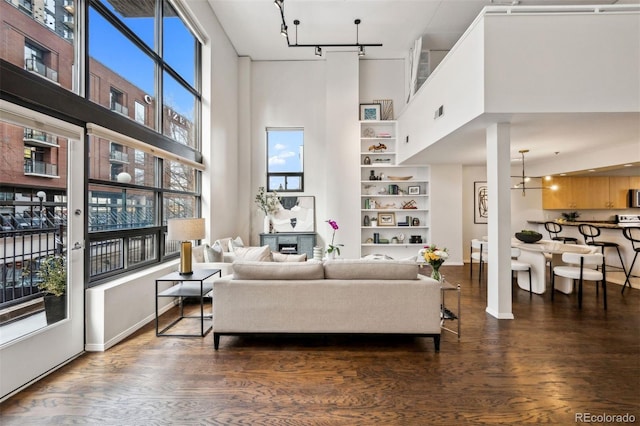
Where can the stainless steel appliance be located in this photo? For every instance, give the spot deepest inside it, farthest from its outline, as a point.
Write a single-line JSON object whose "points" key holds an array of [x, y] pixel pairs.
{"points": [[628, 220], [634, 198]]}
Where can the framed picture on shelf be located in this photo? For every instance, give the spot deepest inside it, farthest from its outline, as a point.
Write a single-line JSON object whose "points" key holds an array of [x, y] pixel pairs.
{"points": [[370, 111], [414, 190], [386, 219], [480, 206]]}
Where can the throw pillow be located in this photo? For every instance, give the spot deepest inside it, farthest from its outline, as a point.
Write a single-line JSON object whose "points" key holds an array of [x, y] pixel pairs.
{"points": [[235, 243], [197, 254], [213, 253], [260, 254], [224, 243], [280, 257]]}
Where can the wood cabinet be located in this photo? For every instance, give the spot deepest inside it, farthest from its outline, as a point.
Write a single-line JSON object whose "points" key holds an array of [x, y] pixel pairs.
{"points": [[588, 192]]}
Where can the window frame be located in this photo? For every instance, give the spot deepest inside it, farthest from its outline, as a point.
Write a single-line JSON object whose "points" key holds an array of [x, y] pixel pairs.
{"points": [[285, 175]]}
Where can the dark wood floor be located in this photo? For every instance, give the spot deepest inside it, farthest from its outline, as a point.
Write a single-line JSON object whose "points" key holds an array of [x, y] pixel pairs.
{"points": [[548, 365]]}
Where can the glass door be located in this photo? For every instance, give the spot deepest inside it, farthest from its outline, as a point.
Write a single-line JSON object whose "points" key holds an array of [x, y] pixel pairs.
{"points": [[41, 245]]}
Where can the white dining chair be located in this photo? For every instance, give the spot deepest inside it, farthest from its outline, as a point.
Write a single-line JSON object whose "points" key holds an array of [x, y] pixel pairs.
{"points": [[517, 266], [581, 267], [479, 254]]}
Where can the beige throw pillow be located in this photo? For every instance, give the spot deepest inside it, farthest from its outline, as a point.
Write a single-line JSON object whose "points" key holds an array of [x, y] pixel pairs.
{"points": [[235, 243], [213, 253], [260, 254], [197, 254], [280, 257]]}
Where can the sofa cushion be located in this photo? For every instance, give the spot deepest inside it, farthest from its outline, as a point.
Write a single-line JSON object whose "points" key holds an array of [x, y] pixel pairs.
{"points": [[213, 253], [235, 243], [261, 254], [363, 269], [251, 270], [197, 254], [280, 257], [224, 243]]}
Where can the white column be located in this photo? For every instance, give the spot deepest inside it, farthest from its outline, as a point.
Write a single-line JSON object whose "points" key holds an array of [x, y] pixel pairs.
{"points": [[499, 226]]}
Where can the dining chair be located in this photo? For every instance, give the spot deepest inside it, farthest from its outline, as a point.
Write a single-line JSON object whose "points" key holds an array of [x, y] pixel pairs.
{"points": [[479, 254], [590, 232], [517, 265], [554, 229], [633, 235], [581, 267]]}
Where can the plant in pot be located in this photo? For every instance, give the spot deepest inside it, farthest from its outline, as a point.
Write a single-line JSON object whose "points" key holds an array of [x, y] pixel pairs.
{"points": [[528, 236], [52, 277]]}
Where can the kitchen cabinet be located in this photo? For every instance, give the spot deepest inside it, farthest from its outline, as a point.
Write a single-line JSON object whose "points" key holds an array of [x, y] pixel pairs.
{"points": [[588, 192]]}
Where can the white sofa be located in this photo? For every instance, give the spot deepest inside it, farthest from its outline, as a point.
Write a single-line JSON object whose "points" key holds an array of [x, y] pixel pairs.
{"points": [[338, 296]]}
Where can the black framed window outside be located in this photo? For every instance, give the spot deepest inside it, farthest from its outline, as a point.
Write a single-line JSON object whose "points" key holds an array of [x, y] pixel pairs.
{"points": [[285, 159]]}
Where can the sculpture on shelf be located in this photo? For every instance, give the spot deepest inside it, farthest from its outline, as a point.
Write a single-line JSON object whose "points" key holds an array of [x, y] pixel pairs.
{"points": [[378, 147]]}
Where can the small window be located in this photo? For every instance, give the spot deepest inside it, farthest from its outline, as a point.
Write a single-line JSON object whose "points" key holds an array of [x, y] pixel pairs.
{"points": [[285, 159]]}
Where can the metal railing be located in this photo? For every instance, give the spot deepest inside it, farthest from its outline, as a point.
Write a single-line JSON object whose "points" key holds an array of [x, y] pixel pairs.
{"points": [[115, 106], [20, 253], [39, 67], [40, 168], [119, 156], [37, 135]]}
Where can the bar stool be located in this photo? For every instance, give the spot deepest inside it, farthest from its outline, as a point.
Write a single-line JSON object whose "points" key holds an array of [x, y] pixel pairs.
{"points": [[554, 229], [590, 232], [582, 272], [633, 235]]}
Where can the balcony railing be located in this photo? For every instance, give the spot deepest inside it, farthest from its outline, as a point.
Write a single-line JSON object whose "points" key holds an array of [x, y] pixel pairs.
{"points": [[25, 5], [40, 168], [36, 137], [20, 252], [38, 67], [119, 108], [68, 20], [119, 156], [69, 5]]}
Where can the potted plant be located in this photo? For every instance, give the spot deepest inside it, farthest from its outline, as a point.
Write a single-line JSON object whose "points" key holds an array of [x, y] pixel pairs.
{"points": [[268, 202], [570, 216], [52, 277]]}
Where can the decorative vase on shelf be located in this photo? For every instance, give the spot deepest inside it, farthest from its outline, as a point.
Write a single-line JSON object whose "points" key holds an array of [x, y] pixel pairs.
{"points": [[267, 225]]}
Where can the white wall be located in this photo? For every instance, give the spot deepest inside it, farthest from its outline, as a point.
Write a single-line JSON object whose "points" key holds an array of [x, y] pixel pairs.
{"points": [[446, 209], [383, 79]]}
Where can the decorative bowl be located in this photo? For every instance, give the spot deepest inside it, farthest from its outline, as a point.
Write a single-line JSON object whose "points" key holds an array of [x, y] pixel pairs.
{"points": [[528, 238]]}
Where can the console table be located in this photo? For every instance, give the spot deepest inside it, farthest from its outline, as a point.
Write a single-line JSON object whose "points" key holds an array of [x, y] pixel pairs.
{"points": [[192, 285], [290, 242]]}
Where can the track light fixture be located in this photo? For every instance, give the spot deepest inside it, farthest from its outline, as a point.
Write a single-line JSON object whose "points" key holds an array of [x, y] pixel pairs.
{"points": [[524, 179], [318, 46]]}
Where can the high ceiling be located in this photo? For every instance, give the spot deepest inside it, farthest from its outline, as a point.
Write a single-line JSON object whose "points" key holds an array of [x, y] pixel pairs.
{"points": [[253, 26]]}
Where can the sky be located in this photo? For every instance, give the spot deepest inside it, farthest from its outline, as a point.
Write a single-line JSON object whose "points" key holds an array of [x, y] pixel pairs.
{"points": [[285, 148]]}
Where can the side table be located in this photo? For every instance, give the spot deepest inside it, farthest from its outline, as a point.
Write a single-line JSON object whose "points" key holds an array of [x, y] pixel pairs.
{"points": [[445, 313], [192, 285]]}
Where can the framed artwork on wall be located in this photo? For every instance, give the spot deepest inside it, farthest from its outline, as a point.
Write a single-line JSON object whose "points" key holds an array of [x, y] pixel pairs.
{"points": [[370, 111], [386, 219], [295, 214], [480, 200]]}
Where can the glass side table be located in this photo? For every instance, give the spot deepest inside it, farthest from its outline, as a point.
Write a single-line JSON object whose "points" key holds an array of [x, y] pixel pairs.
{"points": [[192, 285], [445, 313]]}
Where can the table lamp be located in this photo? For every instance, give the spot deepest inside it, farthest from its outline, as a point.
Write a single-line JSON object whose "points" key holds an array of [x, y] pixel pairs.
{"points": [[185, 230]]}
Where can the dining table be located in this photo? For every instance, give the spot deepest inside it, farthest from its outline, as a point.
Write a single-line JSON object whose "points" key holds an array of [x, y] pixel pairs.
{"points": [[537, 255]]}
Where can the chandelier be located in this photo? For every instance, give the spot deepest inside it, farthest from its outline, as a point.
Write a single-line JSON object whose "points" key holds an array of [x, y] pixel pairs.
{"points": [[524, 179]]}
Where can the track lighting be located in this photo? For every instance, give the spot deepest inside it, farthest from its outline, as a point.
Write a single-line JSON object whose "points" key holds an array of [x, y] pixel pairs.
{"points": [[318, 46], [279, 4]]}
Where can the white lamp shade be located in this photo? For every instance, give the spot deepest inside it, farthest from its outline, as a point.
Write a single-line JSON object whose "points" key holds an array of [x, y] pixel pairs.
{"points": [[185, 229], [123, 177]]}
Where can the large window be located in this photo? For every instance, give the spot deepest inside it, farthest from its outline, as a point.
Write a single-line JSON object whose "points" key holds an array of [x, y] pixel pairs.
{"points": [[126, 53], [285, 159]]}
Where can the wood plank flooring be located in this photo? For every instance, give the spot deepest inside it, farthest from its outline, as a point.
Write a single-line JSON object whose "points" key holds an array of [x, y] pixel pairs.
{"points": [[548, 365]]}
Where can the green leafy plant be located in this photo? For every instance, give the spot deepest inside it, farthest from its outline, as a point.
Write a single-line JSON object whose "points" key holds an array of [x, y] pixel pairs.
{"points": [[53, 275], [267, 201], [529, 232]]}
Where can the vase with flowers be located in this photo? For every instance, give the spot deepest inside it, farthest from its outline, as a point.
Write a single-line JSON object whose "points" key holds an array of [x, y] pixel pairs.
{"points": [[269, 203], [435, 257], [333, 249]]}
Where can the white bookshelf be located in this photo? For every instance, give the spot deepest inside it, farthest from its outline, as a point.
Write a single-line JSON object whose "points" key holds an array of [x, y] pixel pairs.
{"points": [[389, 196]]}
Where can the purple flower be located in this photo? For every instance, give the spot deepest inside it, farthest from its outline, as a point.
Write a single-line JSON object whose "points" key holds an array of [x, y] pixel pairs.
{"points": [[333, 224]]}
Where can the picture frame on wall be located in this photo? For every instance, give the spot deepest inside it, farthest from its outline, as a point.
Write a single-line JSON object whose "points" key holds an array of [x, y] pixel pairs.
{"points": [[480, 202], [386, 219], [414, 190], [370, 112]]}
